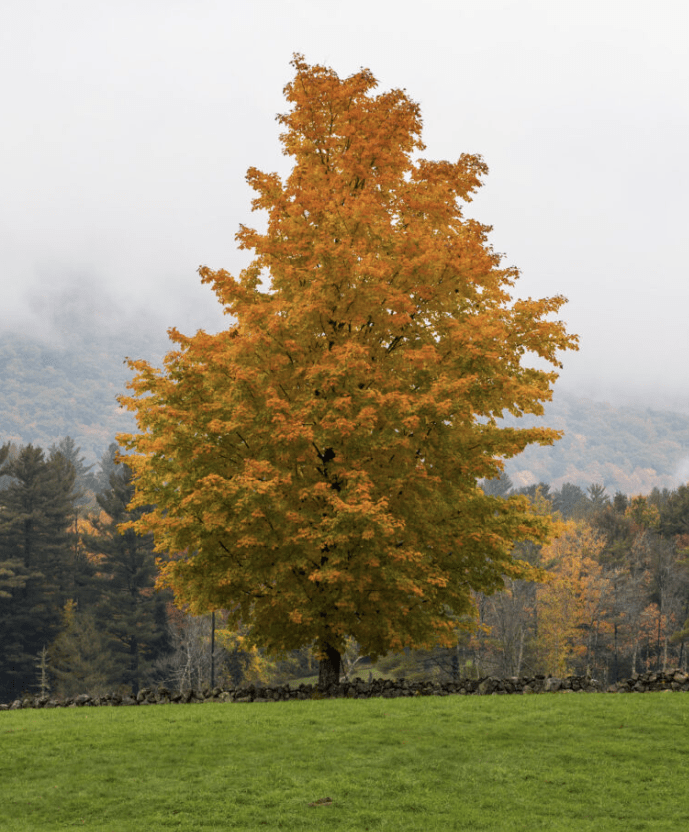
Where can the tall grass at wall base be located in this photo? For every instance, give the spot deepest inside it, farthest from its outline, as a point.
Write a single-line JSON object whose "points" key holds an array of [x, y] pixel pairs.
{"points": [[588, 762]]}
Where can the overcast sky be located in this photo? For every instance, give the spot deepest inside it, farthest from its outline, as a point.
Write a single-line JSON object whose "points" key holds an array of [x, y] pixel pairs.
{"points": [[128, 126]]}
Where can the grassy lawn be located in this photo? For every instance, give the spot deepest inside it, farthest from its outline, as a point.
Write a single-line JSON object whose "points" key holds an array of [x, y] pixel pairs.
{"points": [[553, 762]]}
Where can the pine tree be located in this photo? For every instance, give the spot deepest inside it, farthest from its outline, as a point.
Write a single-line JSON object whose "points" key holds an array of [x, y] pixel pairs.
{"points": [[501, 486], [129, 609], [570, 501], [36, 512], [85, 480], [108, 466], [81, 657]]}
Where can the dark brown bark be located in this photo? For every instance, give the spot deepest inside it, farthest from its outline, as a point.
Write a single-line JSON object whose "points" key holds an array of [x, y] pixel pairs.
{"points": [[329, 667]]}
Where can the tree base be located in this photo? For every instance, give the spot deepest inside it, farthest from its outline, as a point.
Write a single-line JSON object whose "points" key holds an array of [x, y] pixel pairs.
{"points": [[329, 667]]}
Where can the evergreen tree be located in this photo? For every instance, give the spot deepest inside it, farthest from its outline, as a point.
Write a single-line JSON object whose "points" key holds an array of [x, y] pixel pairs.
{"points": [[108, 466], [79, 584], [129, 609], [617, 529], [85, 481], [620, 502], [660, 498], [37, 567], [501, 486], [81, 657], [674, 513], [570, 501], [597, 497], [5, 454]]}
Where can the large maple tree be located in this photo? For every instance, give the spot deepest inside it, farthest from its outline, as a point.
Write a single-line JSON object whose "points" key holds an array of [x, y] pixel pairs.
{"points": [[315, 468]]}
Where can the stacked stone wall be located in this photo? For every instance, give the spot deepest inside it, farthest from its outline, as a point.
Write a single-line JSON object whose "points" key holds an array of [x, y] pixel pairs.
{"points": [[674, 680]]}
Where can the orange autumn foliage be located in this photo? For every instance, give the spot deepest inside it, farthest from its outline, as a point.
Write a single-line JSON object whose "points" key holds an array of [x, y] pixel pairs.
{"points": [[571, 602], [316, 465]]}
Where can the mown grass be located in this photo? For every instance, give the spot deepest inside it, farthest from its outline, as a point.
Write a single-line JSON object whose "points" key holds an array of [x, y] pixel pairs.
{"points": [[552, 762]]}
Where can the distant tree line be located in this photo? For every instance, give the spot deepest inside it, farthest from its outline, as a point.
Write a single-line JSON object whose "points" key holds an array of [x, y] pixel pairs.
{"points": [[614, 598], [76, 597], [79, 611]]}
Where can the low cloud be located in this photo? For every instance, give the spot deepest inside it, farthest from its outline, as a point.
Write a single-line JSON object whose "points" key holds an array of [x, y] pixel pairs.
{"points": [[682, 473]]}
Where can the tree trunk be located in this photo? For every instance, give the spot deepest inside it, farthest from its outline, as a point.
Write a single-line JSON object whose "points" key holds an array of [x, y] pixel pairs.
{"points": [[134, 664], [329, 667]]}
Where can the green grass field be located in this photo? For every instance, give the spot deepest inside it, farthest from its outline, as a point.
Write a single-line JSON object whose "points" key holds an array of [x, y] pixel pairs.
{"points": [[553, 762]]}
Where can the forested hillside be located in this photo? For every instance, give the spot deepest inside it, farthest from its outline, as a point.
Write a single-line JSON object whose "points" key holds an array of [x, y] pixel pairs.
{"points": [[631, 450], [69, 389], [52, 391]]}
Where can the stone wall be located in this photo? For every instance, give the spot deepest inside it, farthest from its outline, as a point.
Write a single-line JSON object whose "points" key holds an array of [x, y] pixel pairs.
{"points": [[674, 680]]}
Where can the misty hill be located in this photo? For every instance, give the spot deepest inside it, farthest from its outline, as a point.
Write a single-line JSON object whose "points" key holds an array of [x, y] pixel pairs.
{"points": [[627, 449], [51, 390]]}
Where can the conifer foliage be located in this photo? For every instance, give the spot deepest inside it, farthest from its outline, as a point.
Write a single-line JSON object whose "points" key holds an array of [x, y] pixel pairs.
{"points": [[129, 611], [81, 659], [36, 560], [315, 466]]}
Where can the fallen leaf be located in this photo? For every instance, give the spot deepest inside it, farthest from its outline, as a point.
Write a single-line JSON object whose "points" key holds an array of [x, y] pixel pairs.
{"points": [[323, 801]]}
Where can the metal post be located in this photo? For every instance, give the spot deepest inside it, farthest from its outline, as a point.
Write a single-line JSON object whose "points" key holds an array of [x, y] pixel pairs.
{"points": [[212, 649]]}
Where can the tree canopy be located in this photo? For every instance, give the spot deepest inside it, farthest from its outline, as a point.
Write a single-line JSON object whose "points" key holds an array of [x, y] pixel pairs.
{"points": [[314, 468]]}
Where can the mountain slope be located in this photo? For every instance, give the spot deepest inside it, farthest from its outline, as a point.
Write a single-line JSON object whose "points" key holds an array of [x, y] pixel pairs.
{"points": [[628, 449]]}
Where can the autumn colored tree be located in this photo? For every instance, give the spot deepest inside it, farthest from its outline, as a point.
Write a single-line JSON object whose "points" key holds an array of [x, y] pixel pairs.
{"points": [[315, 466], [643, 513], [571, 604]]}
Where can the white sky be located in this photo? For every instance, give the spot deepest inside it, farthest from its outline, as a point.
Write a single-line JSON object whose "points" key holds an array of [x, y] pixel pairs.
{"points": [[128, 126]]}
